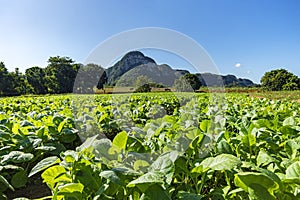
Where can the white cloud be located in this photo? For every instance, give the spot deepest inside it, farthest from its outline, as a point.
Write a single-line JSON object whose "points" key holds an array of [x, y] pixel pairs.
{"points": [[238, 65]]}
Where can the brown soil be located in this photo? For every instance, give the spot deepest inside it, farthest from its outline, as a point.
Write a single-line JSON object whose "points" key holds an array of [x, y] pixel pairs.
{"points": [[35, 188]]}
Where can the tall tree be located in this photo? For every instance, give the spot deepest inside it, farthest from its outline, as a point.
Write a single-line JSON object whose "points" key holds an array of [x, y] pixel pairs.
{"points": [[4, 77], [187, 83], [18, 82], [60, 75], [193, 80], [11, 83], [141, 80], [280, 79], [90, 77], [36, 78], [181, 85]]}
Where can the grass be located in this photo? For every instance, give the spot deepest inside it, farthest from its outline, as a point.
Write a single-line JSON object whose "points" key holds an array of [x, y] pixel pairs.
{"points": [[252, 92], [279, 95]]}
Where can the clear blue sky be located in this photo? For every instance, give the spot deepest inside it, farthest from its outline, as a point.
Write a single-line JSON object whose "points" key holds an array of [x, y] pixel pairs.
{"points": [[259, 34]]}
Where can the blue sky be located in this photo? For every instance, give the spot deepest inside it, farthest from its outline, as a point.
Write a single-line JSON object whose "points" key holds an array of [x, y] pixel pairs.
{"points": [[259, 34]]}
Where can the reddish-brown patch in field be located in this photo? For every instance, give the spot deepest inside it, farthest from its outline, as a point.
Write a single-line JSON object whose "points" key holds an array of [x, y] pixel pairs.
{"points": [[259, 97], [298, 100]]}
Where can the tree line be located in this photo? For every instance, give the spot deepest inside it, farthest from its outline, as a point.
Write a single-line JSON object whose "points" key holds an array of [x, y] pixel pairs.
{"points": [[58, 77]]}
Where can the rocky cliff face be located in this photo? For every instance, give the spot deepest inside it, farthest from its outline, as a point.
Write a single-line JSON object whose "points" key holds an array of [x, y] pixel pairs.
{"points": [[135, 64], [128, 62], [208, 79]]}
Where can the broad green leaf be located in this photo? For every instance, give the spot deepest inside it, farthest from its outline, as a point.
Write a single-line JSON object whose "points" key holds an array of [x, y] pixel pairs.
{"points": [[57, 119], [87, 143], [61, 125], [16, 127], [291, 147], [270, 175], [198, 169], [148, 178], [140, 165], [41, 132], [196, 141], [258, 185], [121, 140], [71, 187], [102, 148], [290, 121], [17, 157], [224, 147], [126, 171], [105, 115], [86, 176], [261, 123], [293, 171], [205, 125], [194, 133], [70, 156], [249, 140], [100, 192], [155, 192], [44, 164], [46, 148], [188, 196], [221, 162], [237, 190], [181, 165], [164, 166], [49, 175], [19, 179], [68, 135], [10, 167], [263, 158], [291, 181], [112, 176], [58, 148], [288, 130]]}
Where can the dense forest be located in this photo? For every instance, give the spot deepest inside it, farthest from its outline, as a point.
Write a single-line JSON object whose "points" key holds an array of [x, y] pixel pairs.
{"points": [[57, 78]]}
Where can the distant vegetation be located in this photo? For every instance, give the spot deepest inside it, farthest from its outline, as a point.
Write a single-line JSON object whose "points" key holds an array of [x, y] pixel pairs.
{"points": [[57, 78], [187, 83], [280, 79], [133, 70]]}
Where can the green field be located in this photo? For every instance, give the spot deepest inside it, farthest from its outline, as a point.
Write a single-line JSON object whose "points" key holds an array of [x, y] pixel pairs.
{"points": [[151, 146], [285, 95]]}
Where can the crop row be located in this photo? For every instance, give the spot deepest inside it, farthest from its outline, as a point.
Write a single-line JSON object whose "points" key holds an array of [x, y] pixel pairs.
{"points": [[152, 146]]}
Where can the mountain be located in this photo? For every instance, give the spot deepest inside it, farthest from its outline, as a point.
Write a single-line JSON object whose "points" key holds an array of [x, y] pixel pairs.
{"points": [[209, 79], [128, 62], [134, 64], [181, 72], [159, 74]]}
